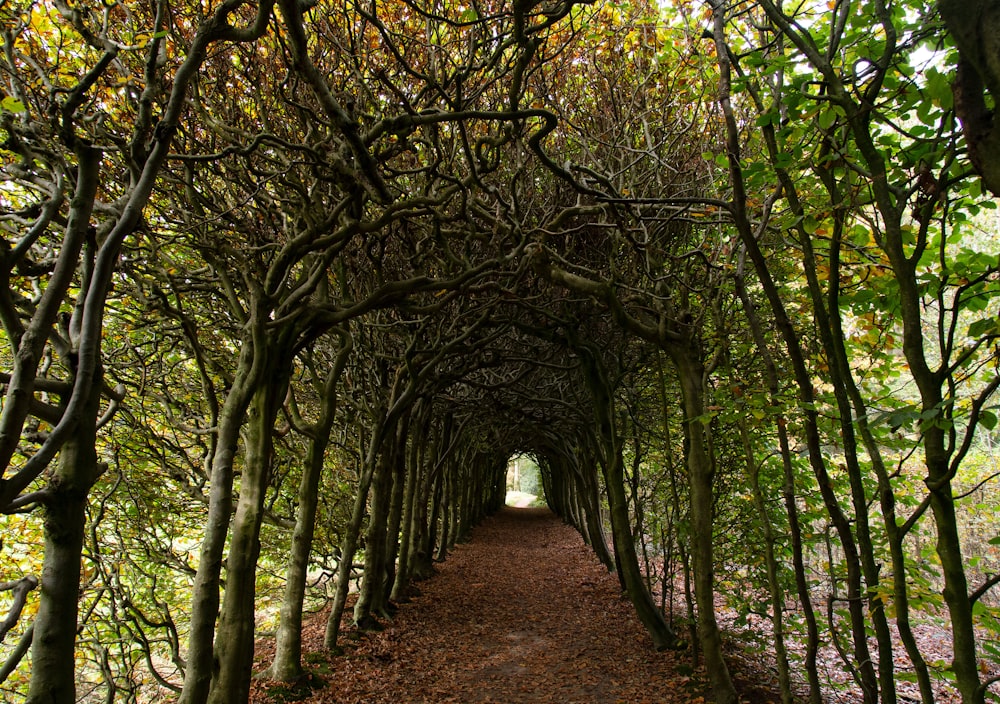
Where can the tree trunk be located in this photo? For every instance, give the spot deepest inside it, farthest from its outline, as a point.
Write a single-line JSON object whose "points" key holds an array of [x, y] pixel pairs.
{"points": [[589, 494], [409, 499], [394, 524], [435, 518], [352, 532], [830, 326], [287, 663], [395, 519], [614, 480], [937, 425], [974, 25], [788, 491], [237, 623], [420, 564], [447, 487], [776, 591], [372, 583], [701, 475], [862, 657], [205, 592], [53, 647]]}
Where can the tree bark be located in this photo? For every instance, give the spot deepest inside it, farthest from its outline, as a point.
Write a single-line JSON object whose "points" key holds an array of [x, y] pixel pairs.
{"points": [[393, 540], [701, 475], [352, 532], [205, 592], [410, 497], [375, 539], [589, 495], [975, 26], [53, 647], [614, 480], [787, 491], [287, 663], [237, 622], [936, 427]]}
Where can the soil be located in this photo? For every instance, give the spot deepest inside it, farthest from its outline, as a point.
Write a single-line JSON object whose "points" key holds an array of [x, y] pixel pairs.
{"points": [[522, 613]]}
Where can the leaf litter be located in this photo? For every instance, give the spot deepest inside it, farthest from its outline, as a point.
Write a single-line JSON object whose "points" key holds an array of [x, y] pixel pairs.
{"points": [[523, 613]]}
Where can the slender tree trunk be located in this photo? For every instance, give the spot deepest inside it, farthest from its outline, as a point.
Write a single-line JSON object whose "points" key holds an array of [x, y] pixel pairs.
{"points": [[956, 587], [53, 643], [863, 664], [447, 487], [435, 519], [937, 425], [394, 523], [589, 495], [53, 646], [371, 582], [409, 499], [777, 593], [352, 532], [287, 663], [614, 480], [421, 565], [863, 667], [788, 492], [865, 671], [205, 592], [701, 475], [237, 622], [895, 534]]}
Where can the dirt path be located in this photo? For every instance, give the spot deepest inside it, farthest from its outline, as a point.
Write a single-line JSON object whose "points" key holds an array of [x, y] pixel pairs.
{"points": [[522, 613]]}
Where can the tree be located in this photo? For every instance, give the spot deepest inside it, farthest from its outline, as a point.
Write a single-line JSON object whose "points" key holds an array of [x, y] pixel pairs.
{"points": [[883, 191], [973, 27], [56, 98]]}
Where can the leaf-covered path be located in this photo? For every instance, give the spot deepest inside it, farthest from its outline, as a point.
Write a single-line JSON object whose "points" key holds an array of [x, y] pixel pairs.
{"points": [[522, 613]]}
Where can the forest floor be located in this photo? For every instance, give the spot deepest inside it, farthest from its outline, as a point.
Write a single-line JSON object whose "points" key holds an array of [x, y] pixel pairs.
{"points": [[522, 613]]}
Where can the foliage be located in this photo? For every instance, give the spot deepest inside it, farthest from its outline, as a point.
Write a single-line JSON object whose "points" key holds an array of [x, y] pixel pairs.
{"points": [[726, 271]]}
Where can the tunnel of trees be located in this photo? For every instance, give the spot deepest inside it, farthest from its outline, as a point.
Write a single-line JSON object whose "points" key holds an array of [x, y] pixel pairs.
{"points": [[285, 284]]}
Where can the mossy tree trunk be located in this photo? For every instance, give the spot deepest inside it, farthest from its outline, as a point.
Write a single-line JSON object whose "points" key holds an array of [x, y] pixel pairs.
{"points": [[369, 600], [53, 648], [614, 480], [287, 663], [205, 593], [352, 533], [237, 620], [701, 476], [408, 528]]}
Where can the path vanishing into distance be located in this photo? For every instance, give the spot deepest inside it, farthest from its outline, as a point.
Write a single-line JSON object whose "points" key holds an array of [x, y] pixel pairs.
{"points": [[523, 612]]}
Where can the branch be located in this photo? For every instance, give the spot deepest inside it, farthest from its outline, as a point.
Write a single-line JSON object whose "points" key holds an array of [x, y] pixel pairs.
{"points": [[20, 393], [292, 11], [17, 654], [984, 587], [20, 590], [117, 396], [105, 264]]}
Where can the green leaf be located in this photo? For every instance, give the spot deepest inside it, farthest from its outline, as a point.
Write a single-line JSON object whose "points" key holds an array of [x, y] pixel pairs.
{"points": [[827, 118], [10, 104], [939, 88], [768, 118], [984, 327], [988, 420]]}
